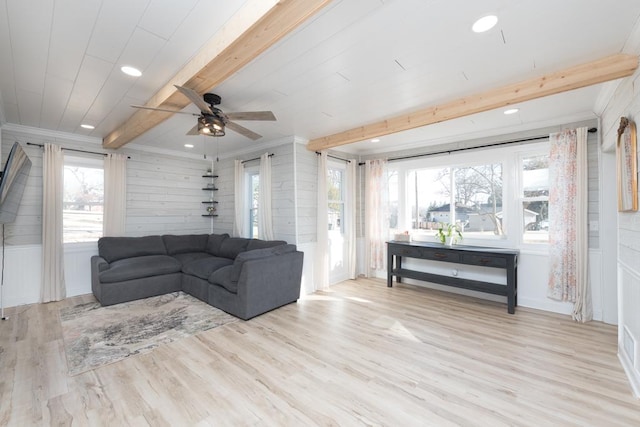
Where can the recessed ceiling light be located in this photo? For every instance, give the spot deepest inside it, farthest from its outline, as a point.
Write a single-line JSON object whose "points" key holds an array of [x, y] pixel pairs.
{"points": [[188, 145], [375, 140], [131, 71], [511, 111], [87, 126], [484, 24]]}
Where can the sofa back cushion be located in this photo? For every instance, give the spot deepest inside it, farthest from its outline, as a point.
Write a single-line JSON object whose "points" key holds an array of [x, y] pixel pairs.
{"points": [[262, 244], [232, 246], [214, 243], [115, 248], [185, 243]]}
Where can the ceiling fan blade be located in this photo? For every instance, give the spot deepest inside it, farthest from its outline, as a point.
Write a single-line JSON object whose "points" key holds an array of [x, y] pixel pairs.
{"points": [[142, 107], [252, 115], [195, 98], [243, 131], [193, 131]]}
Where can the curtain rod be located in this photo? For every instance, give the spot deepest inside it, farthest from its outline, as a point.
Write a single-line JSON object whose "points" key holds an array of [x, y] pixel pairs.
{"points": [[496, 144], [335, 157], [257, 158], [73, 149]]}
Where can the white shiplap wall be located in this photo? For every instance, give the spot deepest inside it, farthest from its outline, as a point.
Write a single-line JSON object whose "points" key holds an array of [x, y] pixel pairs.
{"points": [[282, 187], [624, 101], [164, 195]]}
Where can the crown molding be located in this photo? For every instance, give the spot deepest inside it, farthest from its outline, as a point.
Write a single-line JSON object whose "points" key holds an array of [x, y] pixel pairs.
{"points": [[52, 134]]}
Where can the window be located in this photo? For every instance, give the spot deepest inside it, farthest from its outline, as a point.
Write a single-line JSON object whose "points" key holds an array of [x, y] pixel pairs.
{"points": [[335, 196], [83, 199], [253, 182], [470, 196], [499, 196], [535, 197]]}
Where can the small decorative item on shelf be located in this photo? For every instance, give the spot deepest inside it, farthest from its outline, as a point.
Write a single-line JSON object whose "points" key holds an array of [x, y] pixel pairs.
{"points": [[449, 234], [210, 185], [209, 172], [211, 210]]}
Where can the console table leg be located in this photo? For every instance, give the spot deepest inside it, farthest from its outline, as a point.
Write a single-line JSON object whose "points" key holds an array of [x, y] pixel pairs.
{"points": [[511, 289], [389, 270]]}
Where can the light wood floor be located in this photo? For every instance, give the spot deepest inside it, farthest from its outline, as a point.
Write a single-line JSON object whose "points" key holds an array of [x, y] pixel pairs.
{"points": [[361, 354]]}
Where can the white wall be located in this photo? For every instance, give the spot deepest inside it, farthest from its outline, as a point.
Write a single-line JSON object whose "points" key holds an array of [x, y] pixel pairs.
{"points": [[623, 99]]}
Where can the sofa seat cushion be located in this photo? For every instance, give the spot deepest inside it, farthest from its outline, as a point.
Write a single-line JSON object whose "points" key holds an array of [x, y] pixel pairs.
{"points": [[139, 267], [191, 256], [226, 278], [202, 268]]}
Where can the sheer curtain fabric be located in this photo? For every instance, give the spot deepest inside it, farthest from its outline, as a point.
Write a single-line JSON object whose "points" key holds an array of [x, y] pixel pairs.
{"points": [[239, 196], [568, 230], [321, 266], [265, 216], [115, 194], [350, 213], [376, 211], [53, 286]]}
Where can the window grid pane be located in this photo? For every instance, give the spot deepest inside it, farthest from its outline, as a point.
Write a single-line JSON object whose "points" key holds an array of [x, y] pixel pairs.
{"points": [[82, 204], [535, 198]]}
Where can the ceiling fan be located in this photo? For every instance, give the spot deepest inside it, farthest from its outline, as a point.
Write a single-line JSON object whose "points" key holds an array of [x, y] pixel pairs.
{"points": [[212, 121]]}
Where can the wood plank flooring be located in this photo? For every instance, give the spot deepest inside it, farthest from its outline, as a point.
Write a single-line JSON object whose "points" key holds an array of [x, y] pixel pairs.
{"points": [[359, 354]]}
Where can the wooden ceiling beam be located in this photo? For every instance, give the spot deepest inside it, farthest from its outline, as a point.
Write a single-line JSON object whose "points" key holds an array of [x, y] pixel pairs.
{"points": [[599, 71], [255, 28]]}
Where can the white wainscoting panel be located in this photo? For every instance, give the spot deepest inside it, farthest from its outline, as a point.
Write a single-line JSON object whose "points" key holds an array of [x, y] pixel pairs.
{"points": [[309, 250], [22, 275], [77, 267], [629, 332]]}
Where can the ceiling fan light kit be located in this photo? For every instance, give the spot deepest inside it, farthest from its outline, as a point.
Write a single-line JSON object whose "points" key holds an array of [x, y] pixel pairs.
{"points": [[212, 121], [210, 125]]}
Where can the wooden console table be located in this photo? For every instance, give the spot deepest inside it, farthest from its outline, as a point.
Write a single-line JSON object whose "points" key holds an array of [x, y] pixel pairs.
{"points": [[470, 255]]}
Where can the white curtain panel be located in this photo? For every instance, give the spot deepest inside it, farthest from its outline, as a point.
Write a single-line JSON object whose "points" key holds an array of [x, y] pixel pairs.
{"points": [[350, 212], [376, 208], [115, 194], [265, 215], [582, 309], [239, 196], [568, 231], [53, 286], [321, 268]]}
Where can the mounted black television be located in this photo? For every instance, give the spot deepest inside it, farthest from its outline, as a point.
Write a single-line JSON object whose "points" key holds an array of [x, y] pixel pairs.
{"points": [[12, 183]]}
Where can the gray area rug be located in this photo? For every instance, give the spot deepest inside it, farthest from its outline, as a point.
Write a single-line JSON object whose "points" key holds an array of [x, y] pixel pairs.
{"points": [[95, 336]]}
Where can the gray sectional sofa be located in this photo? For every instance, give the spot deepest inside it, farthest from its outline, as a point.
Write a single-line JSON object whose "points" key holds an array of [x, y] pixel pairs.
{"points": [[244, 277]]}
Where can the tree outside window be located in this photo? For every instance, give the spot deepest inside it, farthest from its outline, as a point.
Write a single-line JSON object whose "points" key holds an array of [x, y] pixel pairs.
{"points": [[83, 203]]}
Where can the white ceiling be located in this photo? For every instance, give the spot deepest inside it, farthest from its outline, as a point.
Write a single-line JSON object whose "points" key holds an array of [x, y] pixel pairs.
{"points": [[356, 62]]}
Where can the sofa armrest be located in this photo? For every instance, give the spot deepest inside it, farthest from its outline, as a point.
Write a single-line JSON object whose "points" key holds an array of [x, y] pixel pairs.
{"points": [[98, 264]]}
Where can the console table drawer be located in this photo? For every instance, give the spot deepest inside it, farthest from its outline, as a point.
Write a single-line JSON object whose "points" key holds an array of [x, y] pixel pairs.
{"points": [[485, 260], [433, 254]]}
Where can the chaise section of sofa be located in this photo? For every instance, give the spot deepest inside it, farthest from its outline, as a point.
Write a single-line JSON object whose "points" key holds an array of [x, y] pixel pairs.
{"points": [[244, 277]]}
